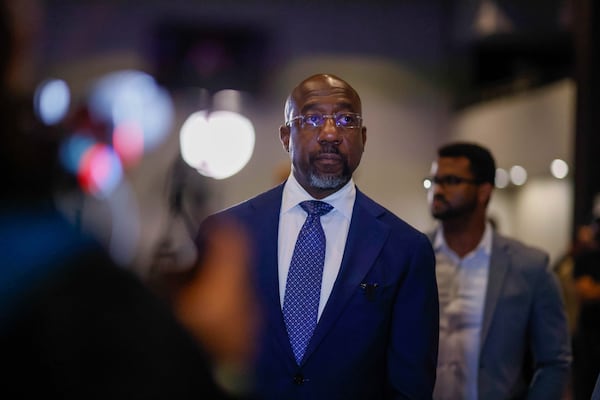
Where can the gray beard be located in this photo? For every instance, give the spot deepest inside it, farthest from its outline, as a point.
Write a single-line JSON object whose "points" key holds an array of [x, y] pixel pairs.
{"points": [[327, 182]]}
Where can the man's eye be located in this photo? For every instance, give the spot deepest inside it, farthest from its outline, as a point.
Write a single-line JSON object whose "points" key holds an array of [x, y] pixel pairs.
{"points": [[313, 119], [346, 120]]}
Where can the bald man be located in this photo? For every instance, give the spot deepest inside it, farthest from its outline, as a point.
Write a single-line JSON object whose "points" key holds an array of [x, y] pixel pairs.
{"points": [[356, 315]]}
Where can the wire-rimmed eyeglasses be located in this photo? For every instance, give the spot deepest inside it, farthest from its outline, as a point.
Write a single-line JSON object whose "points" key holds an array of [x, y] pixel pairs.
{"points": [[447, 180], [345, 120]]}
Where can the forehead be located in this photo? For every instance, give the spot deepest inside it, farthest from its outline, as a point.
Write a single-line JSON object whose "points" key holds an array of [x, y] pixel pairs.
{"points": [[452, 166], [325, 92]]}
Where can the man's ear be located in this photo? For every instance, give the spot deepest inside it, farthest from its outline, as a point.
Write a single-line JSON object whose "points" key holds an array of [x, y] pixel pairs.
{"points": [[485, 192], [363, 133], [284, 136]]}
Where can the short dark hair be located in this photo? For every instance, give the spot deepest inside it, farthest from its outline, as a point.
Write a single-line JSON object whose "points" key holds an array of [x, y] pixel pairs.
{"points": [[482, 163]]}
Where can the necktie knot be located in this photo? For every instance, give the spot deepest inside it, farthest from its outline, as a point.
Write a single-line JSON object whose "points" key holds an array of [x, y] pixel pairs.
{"points": [[316, 208]]}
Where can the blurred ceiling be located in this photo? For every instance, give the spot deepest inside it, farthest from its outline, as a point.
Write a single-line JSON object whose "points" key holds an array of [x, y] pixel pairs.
{"points": [[475, 49]]}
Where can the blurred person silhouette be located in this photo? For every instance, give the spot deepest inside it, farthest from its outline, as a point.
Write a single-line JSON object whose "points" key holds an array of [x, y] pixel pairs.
{"points": [[213, 297], [503, 330], [73, 324], [564, 268], [586, 337], [359, 320], [584, 239]]}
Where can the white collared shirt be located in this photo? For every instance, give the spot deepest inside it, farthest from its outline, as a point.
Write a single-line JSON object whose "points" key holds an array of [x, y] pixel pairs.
{"points": [[335, 225], [462, 285]]}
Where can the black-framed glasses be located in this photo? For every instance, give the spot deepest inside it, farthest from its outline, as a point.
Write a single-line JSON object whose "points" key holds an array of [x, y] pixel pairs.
{"points": [[448, 180], [345, 120]]}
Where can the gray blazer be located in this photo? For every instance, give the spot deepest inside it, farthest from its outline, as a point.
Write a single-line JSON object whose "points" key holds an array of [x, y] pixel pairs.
{"points": [[525, 345]]}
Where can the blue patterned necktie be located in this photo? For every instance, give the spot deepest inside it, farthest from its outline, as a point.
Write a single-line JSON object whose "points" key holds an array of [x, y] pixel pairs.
{"points": [[303, 286]]}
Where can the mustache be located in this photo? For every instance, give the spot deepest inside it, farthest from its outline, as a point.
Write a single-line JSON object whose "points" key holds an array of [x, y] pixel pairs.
{"points": [[440, 197], [329, 148]]}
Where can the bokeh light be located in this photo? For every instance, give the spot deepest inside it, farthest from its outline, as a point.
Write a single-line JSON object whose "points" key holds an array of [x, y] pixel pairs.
{"points": [[427, 183], [96, 165], [518, 175], [128, 142], [72, 151], [128, 98], [217, 144], [100, 171], [52, 100], [559, 168], [502, 179]]}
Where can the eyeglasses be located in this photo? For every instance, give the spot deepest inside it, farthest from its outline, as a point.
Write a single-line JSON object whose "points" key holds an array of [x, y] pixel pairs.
{"points": [[448, 180], [344, 120]]}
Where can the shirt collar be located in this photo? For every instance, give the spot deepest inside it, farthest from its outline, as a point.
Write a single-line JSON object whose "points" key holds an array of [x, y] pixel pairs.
{"points": [[342, 200], [485, 244]]}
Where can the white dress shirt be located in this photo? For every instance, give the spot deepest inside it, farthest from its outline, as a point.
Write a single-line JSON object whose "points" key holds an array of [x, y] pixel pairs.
{"points": [[462, 285], [335, 225]]}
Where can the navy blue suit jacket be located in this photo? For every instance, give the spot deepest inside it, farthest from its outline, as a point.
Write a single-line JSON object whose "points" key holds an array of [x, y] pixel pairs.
{"points": [[378, 335]]}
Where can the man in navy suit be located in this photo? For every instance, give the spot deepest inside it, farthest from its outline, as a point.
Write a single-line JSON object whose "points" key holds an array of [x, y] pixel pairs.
{"points": [[503, 329], [376, 335]]}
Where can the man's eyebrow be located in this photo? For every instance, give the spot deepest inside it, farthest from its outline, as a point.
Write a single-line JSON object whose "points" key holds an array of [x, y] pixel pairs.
{"points": [[316, 105], [309, 107]]}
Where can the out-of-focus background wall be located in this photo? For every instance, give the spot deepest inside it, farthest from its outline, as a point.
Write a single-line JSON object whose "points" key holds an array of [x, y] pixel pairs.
{"points": [[497, 72]]}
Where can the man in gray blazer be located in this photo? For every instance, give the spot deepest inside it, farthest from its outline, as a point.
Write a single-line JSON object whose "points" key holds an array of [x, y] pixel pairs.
{"points": [[503, 330]]}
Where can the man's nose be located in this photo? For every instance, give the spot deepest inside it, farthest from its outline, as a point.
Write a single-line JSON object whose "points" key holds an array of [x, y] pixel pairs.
{"points": [[436, 187], [329, 131]]}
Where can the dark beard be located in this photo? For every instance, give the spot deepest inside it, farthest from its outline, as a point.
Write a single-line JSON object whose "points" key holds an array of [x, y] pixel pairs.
{"points": [[451, 212]]}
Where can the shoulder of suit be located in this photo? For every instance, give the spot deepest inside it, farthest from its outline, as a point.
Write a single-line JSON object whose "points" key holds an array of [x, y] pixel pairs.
{"points": [[520, 251], [244, 214], [267, 198], [374, 208]]}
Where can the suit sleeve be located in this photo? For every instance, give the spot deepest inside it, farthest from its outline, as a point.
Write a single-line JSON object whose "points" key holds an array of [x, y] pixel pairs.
{"points": [[549, 339], [412, 353]]}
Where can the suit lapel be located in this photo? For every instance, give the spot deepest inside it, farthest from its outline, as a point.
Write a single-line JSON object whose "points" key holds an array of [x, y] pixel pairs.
{"points": [[499, 264], [265, 229], [366, 237]]}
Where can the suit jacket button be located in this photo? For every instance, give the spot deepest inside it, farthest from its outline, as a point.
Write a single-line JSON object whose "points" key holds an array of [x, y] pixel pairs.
{"points": [[298, 379]]}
